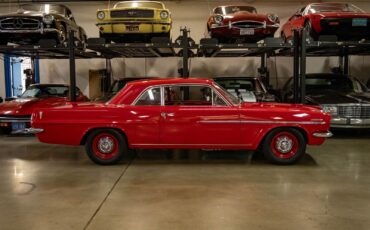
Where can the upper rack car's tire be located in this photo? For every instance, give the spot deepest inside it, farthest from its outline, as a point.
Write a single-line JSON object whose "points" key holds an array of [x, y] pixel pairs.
{"points": [[310, 33], [62, 35], [106, 146], [284, 146]]}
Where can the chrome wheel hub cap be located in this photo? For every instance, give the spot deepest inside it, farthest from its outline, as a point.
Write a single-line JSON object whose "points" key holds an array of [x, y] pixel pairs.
{"points": [[284, 144], [106, 145]]}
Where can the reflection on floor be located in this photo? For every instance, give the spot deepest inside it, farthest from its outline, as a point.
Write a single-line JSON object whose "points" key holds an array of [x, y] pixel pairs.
{"points": [[57, 187]]}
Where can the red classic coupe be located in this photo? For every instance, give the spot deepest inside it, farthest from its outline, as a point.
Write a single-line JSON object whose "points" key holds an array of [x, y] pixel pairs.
{"points": [[15, 115], [344, 20], [182, 113], [241, 23]]}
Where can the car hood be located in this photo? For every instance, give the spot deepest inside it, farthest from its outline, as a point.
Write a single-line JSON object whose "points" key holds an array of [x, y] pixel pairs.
{"points": [[341, 14], [336, 97], [25, 106], [243, 15], [272, 106], [23, 13]]}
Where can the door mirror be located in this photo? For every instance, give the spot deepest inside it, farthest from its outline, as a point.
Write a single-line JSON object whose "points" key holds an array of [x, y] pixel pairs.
{"points": [[1, 100]]}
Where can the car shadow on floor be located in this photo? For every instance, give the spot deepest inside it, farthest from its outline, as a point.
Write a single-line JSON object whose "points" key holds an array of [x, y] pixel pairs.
{"points": [[351, 133], [180, 156]]}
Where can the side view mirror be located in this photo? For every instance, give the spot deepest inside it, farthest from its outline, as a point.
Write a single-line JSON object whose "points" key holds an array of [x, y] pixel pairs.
{"points": [[1, 100]]}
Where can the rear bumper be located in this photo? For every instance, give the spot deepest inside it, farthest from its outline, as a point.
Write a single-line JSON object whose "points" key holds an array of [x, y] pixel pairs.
{"points": [[350, 123], [28, 131], [343, 28]]}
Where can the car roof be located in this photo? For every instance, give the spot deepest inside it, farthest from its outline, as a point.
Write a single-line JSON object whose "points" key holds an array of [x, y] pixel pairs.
{"points": [[235, 78], [325, 75], [165, 81]]}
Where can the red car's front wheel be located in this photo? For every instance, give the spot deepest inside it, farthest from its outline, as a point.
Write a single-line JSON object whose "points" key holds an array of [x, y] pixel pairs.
{"points": [[105, 146], [284, 146]]}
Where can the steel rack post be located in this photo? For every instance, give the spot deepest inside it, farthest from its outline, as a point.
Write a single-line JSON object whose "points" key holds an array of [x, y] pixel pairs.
{"points": [[302, 68], [72, 66], [296, 63], [185, 52], [263, 70]]}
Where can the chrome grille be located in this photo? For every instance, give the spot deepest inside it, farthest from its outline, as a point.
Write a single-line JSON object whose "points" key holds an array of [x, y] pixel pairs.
{"points": [[248, 24], [354, 111], [134, 13], [19, 24]]}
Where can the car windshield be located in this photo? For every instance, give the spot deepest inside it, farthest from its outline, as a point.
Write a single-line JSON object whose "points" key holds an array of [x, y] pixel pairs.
{"points": [[45, 91], [240, 84], [343, 84], [117, 86], [333, 7], [234, 9], [44, 8], [135, 4], [234, 100]]}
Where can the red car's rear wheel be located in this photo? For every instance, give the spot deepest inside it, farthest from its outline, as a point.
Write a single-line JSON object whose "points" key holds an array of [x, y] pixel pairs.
{"points": [[284, 146], [106, 146]]}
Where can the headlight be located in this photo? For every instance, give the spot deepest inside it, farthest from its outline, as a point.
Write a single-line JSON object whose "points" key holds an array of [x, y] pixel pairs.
{"points": [[100, 15], [164, 14], [272, 17], [333, 110], [48, 19], [218, 19]]}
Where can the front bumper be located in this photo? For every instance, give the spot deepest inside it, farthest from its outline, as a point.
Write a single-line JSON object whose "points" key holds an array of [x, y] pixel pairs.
{"points": [[37, 31], [231, 31], [350, 123], [133, 27]]}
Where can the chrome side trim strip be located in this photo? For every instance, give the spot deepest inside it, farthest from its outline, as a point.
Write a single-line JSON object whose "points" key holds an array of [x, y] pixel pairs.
{"points": [[194, 144], [14, 119], [262, 122]]}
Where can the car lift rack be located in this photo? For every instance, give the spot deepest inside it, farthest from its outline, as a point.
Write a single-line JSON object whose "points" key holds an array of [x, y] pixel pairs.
{"points": [[184, 47]]}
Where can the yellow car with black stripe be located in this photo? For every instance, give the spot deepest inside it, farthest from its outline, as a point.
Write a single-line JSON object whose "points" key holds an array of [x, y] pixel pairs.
{"points": [[134, 21]]}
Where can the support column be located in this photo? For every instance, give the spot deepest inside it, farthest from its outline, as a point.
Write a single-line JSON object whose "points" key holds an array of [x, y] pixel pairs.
{"points": [[303, 60], [72, 66], [185, 53], [296, 63], [263, 70]]}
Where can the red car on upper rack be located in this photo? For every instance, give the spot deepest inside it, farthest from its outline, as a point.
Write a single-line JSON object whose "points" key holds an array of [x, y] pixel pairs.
{"points": [[182, 113], [241, 23], [15, 115], [344, 20]]}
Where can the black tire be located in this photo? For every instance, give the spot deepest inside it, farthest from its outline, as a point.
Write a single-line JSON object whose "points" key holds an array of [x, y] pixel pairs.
{"points": [[62, 35], [276, 148], [6, 130], [310, 33], [103, 153]]}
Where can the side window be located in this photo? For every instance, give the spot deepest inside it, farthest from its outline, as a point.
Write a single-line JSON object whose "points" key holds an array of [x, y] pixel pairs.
{"points": [[150, 97], [217, 100], [188, 95], [218, 10], [357, 86]]}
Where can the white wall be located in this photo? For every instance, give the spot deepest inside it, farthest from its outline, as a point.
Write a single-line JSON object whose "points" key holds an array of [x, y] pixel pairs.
{"points": [[192, 14]]}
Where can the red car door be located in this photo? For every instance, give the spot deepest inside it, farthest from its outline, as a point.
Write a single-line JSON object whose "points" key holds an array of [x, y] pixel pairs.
{"points": [[198, 116], [142, 119]]}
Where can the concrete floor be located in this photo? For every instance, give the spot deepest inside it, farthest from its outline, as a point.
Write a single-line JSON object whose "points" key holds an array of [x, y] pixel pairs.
{"points": [[57, 187]]}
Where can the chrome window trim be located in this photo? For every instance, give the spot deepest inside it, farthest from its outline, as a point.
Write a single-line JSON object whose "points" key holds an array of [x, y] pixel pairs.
{"points": [[144, 91], [162, 86], [261, 122]]}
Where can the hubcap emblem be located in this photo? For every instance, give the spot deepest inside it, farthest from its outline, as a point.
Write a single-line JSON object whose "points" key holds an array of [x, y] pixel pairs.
{"points": [[106, 145], [284, 144]]}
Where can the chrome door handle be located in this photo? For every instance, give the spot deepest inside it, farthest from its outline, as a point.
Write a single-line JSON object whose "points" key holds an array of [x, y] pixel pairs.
{"points": [[163, 115]]}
